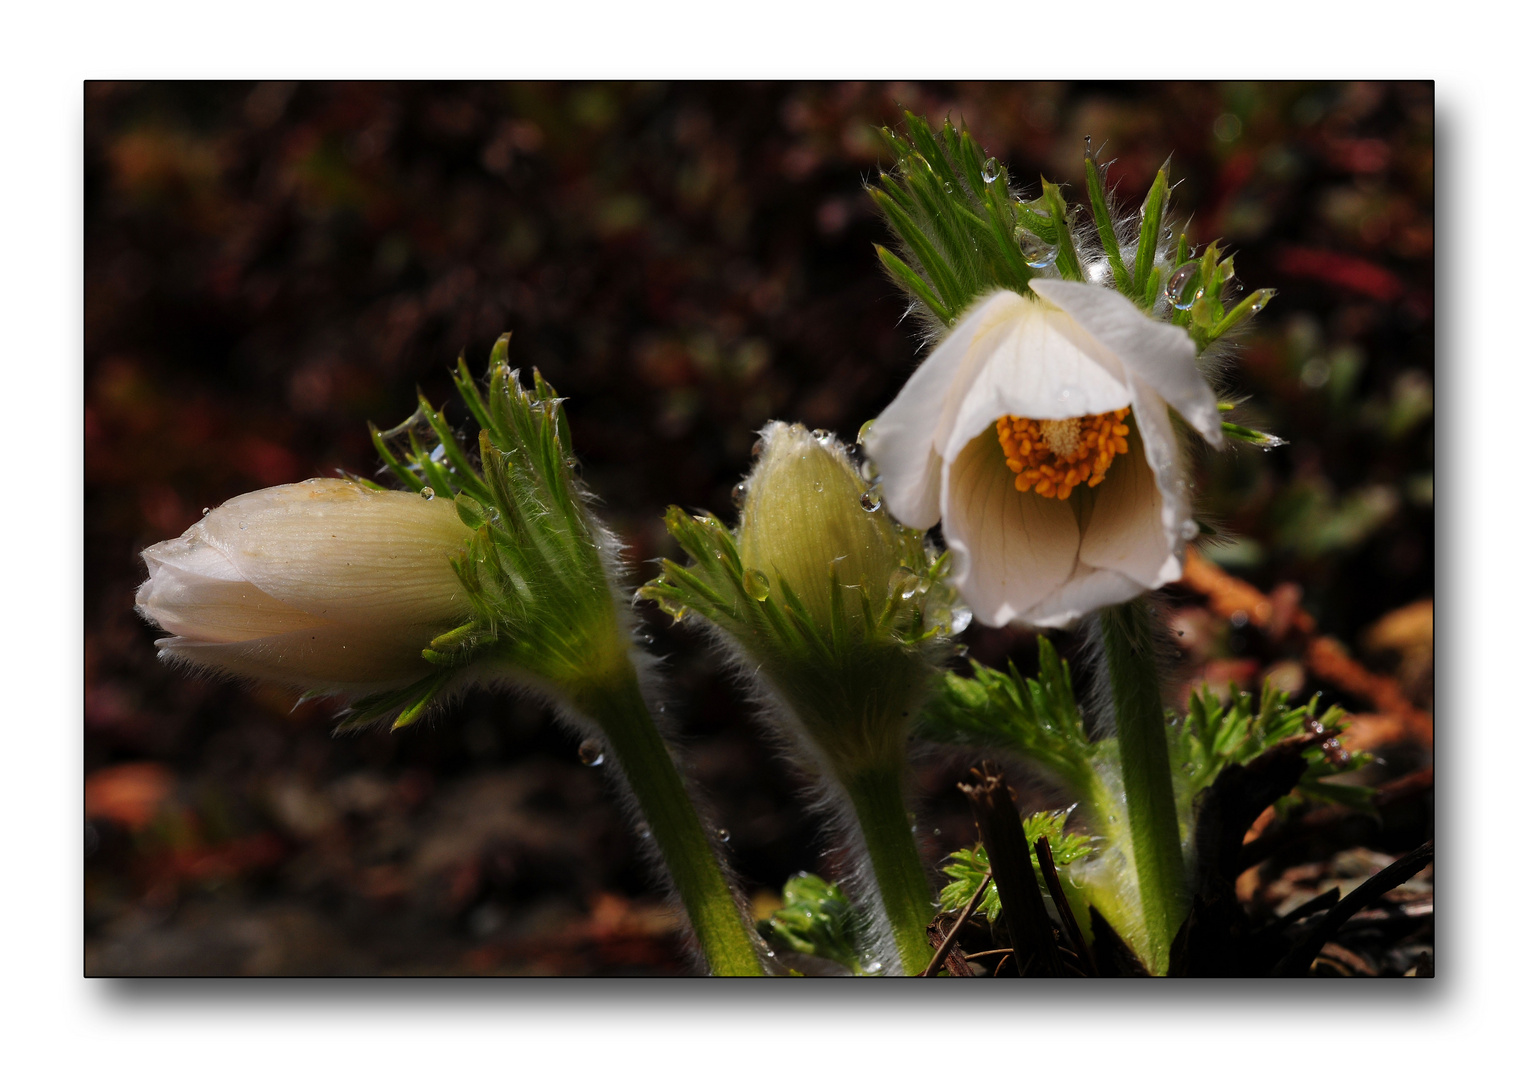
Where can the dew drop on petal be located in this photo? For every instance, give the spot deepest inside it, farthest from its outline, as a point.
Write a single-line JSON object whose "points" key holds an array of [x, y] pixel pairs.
{"points": [[757, 587], [242, 524], [205, 510], [962, 617], [428, 493], [591, 753], [819, 485], [822, 436], [738, 493], [870, 501]]}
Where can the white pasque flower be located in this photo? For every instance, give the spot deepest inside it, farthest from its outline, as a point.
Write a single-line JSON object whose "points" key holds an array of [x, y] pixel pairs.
{"points": [[322, 585], [1038, 431]]}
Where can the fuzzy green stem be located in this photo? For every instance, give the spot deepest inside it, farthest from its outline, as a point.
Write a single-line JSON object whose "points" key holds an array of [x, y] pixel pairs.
{"points": [[727, 943], [876, 799], [1128, 648]]}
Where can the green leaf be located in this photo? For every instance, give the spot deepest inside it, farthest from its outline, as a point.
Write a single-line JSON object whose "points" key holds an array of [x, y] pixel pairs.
{"points": [[817, 919]]}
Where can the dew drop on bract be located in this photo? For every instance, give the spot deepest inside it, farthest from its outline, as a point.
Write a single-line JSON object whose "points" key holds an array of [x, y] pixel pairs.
{"points": [[904, 583], [990, 171], [591, 753], [738, 493], [822, 436], [757, 587], [819, 485], [724, 835], [428, 493], [870, 501], [1036, 252], [205, 510], [862, 432], [947, 187], [242, 524], [962, 617], [1179, 286]]}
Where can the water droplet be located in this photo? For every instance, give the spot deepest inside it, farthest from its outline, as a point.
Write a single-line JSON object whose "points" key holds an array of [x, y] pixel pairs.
{"points": [[822, 436], [1036, 252], [936, 831], [737, 493], [242, 524], [962, 650], [644, 637], [643, 832], [904, 583], [724, 835], [1071, 395], [205, 510], [947, 187], [862, 432], [591, 753], [428, 493], [1179, 287], [962, 617], [870, 501], [1189, 529], [757, 587], [990, 171], [819, 485]]}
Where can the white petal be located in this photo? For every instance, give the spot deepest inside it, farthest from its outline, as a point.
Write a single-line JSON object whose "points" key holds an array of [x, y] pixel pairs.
{"points": [[1121, 523], [343, 552], [1164, 458], [209, 609], [322, 658], [1161, 355], [1032, 366], [1010, 549], [905, 439], [1086, 591]]}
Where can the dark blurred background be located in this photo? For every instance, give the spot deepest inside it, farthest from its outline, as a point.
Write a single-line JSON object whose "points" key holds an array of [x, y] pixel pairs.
{"points": [[271, 266]]}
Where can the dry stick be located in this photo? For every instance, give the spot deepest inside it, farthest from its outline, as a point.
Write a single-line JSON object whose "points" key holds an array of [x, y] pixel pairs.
{"points": [[987, 952], [1062, 905], [1000, 828], [1396, 873], [952, 935]]}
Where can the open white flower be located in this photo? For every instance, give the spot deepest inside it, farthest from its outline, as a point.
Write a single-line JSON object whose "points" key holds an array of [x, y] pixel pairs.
{"points": [[322, 585], [1038, 432]]}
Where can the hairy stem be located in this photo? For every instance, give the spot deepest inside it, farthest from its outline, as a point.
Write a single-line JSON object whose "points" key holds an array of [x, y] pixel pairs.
{"points": [[876, 799], [1128, 652], [728, 944]]}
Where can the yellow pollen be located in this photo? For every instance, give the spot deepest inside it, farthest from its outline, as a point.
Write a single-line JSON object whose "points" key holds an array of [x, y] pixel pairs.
{"points": [[1053, 457]]}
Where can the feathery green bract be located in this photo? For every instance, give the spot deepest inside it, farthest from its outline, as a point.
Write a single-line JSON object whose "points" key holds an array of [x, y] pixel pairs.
{"points": [[1038, 720], [1213, 736], [965, 869], [817, 919], [958, 223], [963, 232], [536, 569], [846, 680]]}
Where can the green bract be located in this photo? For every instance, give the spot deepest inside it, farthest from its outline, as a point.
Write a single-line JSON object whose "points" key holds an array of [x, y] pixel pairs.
{"points": [[537, 567]]}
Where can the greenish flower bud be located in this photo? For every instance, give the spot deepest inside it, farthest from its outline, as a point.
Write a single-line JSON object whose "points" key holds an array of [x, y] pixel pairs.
{"points": [[807, 525]]}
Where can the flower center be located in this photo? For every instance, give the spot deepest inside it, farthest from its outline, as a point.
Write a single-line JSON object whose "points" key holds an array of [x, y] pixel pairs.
{"points": [[1052, 457]]}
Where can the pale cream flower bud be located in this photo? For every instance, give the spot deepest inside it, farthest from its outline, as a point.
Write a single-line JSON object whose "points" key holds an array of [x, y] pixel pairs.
{"points": [[322, 585]]}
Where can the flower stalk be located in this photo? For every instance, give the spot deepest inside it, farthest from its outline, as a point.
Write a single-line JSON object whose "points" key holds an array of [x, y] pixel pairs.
{"points": [[1124, 634], [907, 896]]}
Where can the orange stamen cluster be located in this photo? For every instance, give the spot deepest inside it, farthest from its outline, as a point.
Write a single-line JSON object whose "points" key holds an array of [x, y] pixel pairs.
{"points": [[1053, 457]]}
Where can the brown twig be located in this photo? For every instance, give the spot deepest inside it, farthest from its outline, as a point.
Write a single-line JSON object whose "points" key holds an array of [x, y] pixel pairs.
{"points": [[1061, 904], [963, 916], [1396, 873], [1000, 828], [1277, 837], [987, 952]]}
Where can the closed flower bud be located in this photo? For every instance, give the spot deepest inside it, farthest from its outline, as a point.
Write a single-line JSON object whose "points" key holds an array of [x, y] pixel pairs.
{"points": [[323, 585], [804, 521]]}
